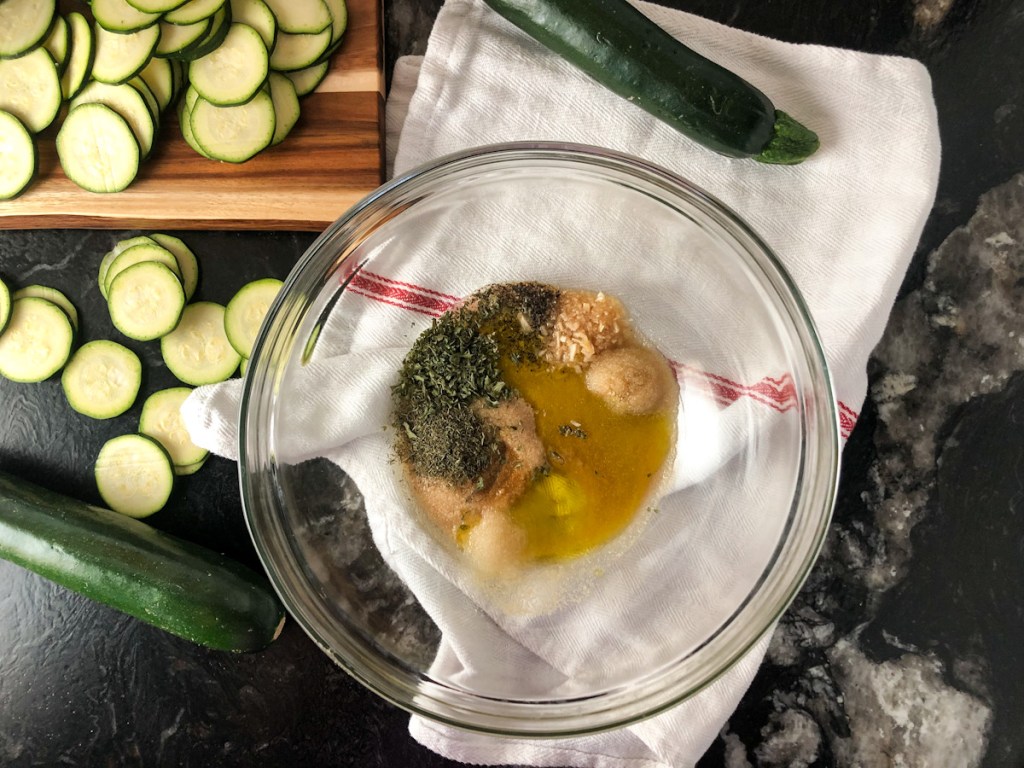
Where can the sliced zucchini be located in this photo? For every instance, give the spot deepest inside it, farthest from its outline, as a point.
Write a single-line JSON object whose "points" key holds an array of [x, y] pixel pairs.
{"points": [[134, 475], [156, 6], [306, 80], [234, 72], [129, 103], [185, 121], [189, 469], [220, 23], [244, 314], [339, 23], [145, 301], [256, 14], [102, 379], [24, 25], [301, 17], [97, 149], [198, 351], [120, 57], [339, 19], [120, 16], [286, 106], [298, 51], [179, 71], [37, 341], [193, 11], [188, 264], [31, 89], [178, 39], [80, 57], [58, 42], [113, 253], [161, 420], [234, 134], [146, 92], [5, 306], [158, 74], [136, 254], [18, 157], [54, 296]]}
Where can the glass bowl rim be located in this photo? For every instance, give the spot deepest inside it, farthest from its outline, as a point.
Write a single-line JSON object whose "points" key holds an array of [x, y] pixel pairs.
{"points": [[441, 703]]}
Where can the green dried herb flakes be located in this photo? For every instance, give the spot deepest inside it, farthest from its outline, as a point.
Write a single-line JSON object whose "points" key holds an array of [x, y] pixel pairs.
{"points": [[453, 366], [572, 430]]}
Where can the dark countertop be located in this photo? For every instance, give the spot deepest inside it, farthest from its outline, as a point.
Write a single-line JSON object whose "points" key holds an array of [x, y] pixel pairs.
{"points": [[905, 646]]}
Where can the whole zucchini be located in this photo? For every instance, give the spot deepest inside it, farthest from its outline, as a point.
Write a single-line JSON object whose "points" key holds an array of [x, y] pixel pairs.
{"points": [[165, 581], [633, 57]]}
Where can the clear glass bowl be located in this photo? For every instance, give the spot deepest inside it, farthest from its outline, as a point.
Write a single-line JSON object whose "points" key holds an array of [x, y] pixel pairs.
{"points": [[758, 444]]}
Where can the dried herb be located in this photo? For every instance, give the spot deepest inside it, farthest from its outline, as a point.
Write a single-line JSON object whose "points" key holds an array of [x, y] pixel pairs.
{"points": [[454, 366], [572, 430]]}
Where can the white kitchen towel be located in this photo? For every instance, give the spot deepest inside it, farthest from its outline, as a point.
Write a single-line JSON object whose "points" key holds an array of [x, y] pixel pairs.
{"points": [[844, 223]]}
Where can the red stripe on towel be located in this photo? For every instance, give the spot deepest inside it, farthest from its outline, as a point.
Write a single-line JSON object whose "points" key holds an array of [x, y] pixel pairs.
{"points": [[778, 394]]}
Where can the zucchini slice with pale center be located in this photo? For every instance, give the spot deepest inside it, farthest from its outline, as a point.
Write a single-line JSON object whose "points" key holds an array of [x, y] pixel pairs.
{"points": [[134, 475], [256, 14], [152, 104], [138, 253], [177, 39], [198, 351], [108, 258], [121, 16], [158, 74], [220, 23], [121, 56], [234, 72], [301, 17], [188, 264], [145, 301], [286, 106], [129, 103], [306, 80], [80, 58], [244, 314], [298, 51], [18, 156], [37, 341], [185, 120], [5, 306], [161, 420], [97, 149], [30, 89], [157, 6], [233, 134], [193, 11], [52, 295], [102, 379], [24, 24], [58, 42]]}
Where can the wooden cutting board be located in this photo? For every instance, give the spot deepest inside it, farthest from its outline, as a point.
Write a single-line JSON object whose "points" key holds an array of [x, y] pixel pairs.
{"points": [[333, 157]]}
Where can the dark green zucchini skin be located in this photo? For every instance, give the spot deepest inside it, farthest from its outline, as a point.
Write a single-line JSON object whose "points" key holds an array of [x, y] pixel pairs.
{"points": [[633, 57], [185, 589]]}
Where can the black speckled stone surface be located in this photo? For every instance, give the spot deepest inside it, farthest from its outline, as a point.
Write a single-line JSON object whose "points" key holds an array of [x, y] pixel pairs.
{"points": [[904, 647]]}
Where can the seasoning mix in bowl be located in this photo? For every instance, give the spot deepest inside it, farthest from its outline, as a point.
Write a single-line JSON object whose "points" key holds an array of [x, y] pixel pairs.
{"points": [[538, 440], [532, 423]]}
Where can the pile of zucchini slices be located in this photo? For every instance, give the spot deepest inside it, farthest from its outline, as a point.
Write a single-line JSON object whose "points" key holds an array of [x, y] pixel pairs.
{"points": [[234, 71], [148, 282]]}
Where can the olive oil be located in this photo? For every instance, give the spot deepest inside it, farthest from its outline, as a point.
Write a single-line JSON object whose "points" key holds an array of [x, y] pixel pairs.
{"points": [[602, 465]]}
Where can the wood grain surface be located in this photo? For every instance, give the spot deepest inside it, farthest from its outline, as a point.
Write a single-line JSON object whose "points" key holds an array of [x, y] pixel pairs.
{"points": [[331, 160]]}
